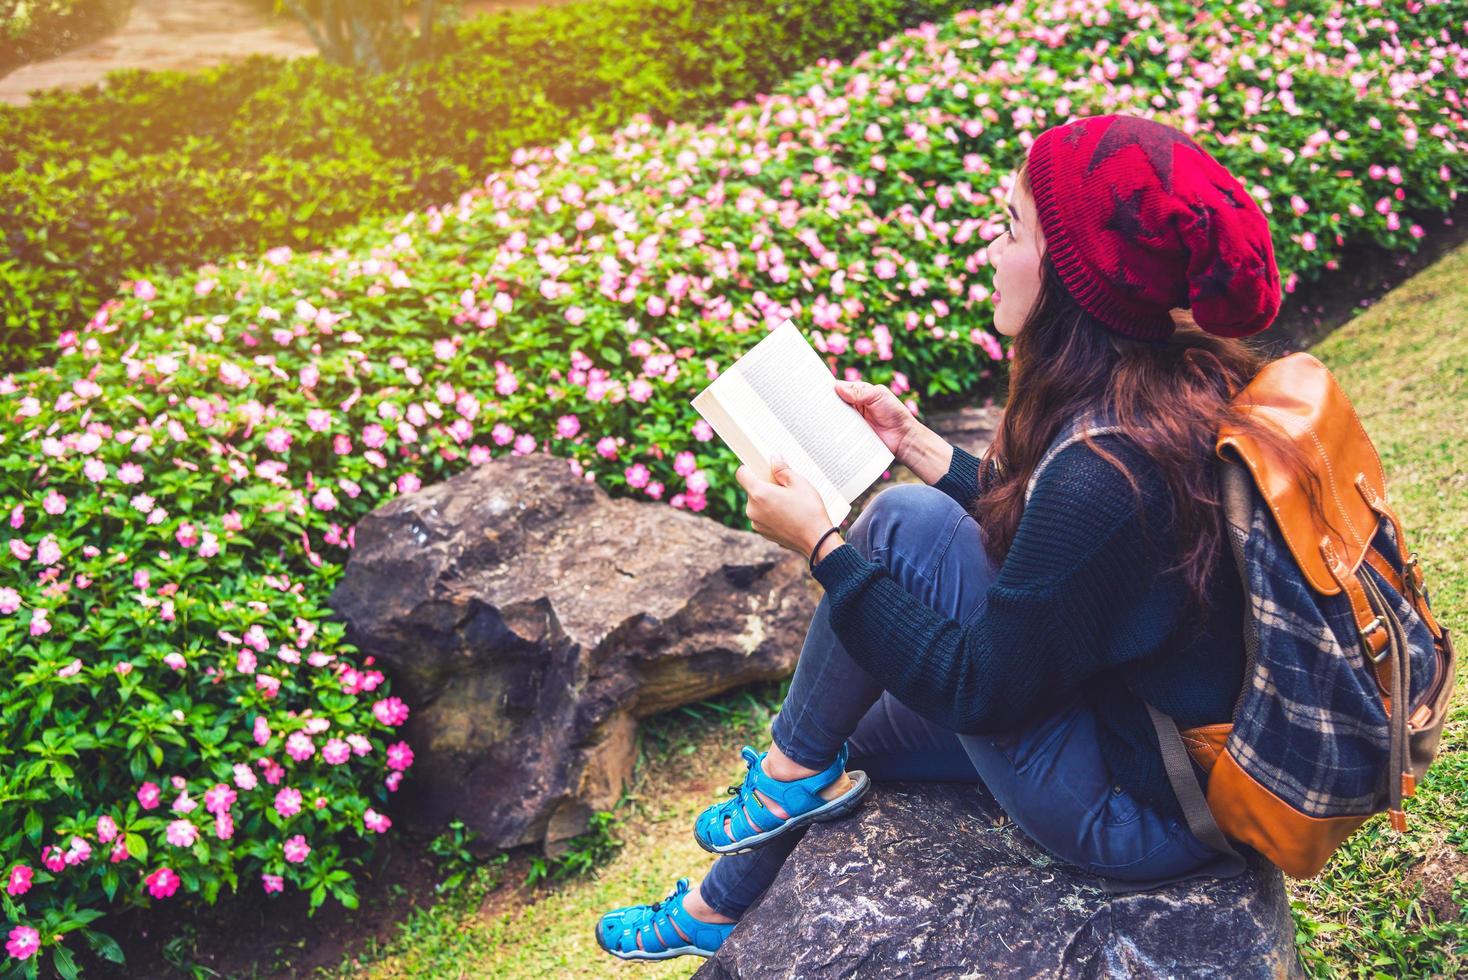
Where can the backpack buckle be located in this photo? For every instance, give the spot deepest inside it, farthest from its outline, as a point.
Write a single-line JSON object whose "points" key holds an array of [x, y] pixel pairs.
{"points": [[1376, 623]]}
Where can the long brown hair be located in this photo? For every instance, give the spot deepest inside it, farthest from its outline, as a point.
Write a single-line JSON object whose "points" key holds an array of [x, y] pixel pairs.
{"points": [[1170, 398]]}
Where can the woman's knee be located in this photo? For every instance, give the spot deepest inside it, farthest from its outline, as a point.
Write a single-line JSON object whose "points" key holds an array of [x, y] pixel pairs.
{"points": [[906, 515]]}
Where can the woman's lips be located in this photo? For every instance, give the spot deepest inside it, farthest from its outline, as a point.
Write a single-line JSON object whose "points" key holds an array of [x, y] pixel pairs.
{"points": [[996, 295]]}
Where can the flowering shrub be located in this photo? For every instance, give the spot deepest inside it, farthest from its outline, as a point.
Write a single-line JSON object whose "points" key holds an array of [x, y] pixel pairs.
{"points": [[95, 182], [180, 490]]}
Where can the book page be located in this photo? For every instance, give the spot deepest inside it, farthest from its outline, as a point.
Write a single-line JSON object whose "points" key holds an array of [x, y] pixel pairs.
{"points": [[781, 397]]}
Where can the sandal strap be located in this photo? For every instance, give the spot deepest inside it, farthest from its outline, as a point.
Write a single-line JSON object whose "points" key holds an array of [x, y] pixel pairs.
{"points": [[797, 796]]}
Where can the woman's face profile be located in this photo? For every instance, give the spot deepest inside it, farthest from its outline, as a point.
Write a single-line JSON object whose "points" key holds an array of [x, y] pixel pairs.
{"points": [[1015, 255]]}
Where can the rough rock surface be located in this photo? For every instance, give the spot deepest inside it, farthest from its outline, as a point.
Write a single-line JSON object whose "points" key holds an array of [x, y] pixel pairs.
{"points": [[929, 880], [528, 619]]}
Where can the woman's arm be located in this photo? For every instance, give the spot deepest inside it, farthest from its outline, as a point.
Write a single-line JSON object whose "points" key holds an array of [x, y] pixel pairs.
{"points": [[926, 453]]}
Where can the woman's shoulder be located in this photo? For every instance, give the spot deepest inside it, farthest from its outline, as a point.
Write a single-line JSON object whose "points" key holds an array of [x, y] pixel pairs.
{"points": [[1081, 474]]}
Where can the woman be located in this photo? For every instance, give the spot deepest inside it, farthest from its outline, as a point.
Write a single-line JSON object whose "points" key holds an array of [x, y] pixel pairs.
{"points": [[1005, 630]]}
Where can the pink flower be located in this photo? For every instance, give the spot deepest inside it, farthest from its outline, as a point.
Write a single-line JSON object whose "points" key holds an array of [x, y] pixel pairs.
{"points": [[175, 660], [23, 943], [299, 746], [244, 776], [274, 772], [149, 796], [106, 828], [391, 711], [637, 475], [9, 601], [143, 290], [288, 802], [272, 883], [399, 755], [48, 552], [119, 851], [52, 858], [278, 440], [79, 851], [72, 668], [54, 503], [223, 826], [261, 729], [162, 883], [606, 446], [182, 833], [20, 880], [336, 751], [376, 821], [296, 849], [219, 798], [567, 426]]}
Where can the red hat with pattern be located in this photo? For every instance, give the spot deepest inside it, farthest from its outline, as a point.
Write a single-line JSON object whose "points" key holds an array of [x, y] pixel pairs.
{"points": [[1139, 219]]}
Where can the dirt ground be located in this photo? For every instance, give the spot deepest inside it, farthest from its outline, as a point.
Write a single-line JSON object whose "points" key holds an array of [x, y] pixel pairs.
{"points": [[186, 35]]}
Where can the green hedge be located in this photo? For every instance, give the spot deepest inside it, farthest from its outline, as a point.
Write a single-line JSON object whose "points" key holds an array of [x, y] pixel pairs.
{"points": [[163, 169]]}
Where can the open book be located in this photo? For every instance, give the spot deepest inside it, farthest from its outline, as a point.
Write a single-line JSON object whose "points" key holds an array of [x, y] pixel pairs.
{"points": [[781, 397]]}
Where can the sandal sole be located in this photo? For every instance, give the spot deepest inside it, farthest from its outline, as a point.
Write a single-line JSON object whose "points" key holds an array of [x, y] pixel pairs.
{"points": [[841, 806], [640, 954]]}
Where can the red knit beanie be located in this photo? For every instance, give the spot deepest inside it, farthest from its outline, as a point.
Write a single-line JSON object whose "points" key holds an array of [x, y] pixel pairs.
{"points": [[1139, 219]]}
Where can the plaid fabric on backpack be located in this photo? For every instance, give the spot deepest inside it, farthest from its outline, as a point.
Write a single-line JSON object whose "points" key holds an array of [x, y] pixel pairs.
{"points": [[1348, 675]]}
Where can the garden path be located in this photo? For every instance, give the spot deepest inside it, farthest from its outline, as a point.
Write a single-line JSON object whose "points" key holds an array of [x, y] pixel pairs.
{"points": [[185, 35]]}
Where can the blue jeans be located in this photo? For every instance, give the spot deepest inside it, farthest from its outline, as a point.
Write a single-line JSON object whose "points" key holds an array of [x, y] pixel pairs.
{"points": [[1049, 777]]}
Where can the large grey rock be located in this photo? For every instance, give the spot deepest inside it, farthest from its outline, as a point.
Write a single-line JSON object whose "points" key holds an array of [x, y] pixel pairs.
{"points": [[528, 619], [930, 880]]}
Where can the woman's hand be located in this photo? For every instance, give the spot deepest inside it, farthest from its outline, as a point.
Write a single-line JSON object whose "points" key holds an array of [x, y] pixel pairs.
{"points": [[789, 511], [887, 416]]}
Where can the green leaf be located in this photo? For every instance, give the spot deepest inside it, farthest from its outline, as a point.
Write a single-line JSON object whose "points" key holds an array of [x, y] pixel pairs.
{"points": [[64, 962], [33, 827], [104, 945], [136, 846]]}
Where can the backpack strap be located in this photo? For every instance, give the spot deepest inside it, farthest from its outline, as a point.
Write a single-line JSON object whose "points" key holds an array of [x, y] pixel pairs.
{"points": [[1190, 794], [1082, 425], [1185, 786]]}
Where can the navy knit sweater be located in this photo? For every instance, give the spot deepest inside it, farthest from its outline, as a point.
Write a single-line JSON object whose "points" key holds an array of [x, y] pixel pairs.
{"points": [[1079, 606]]}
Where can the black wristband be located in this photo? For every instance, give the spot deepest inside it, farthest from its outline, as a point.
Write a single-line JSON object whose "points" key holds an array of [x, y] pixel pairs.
{"points": [[818, 547]]}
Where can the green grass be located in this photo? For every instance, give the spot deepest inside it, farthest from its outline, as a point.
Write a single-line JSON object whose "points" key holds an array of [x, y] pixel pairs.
{"points": [[1404, 364]]}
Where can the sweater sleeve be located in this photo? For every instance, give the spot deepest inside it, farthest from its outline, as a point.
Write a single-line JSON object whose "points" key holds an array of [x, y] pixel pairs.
{"points": [[961, 482], [1077, 593]]}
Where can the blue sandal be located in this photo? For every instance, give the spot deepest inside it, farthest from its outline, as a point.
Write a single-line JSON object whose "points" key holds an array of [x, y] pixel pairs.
{"points": [[617, 931], [752, 824]]}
